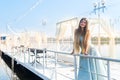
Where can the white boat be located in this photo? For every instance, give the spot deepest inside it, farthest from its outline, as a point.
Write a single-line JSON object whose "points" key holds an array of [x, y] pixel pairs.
{"points": [[51, 65]]}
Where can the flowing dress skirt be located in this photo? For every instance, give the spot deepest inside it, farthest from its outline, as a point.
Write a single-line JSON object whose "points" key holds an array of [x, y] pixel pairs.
{"points": [[88, 67]]}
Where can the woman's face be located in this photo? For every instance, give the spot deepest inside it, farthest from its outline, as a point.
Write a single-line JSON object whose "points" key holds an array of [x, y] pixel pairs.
{"points": [[83, 23]]}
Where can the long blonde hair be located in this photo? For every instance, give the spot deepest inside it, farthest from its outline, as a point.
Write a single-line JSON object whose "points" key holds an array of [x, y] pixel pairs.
{"points": [[78, 33]]}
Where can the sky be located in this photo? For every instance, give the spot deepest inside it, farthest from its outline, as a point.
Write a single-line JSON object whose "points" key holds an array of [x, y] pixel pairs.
{"points": [[42, 15]]}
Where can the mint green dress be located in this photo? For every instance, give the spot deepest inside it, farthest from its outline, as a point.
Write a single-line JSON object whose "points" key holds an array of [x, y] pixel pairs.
{"points": [[88, 67]]}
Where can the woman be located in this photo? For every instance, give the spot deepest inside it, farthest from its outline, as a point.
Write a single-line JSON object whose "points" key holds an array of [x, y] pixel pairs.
{"points": [[87, 66]]}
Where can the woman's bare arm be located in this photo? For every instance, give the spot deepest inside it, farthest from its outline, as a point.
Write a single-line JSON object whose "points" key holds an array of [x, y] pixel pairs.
{"points": [[87, 44]]}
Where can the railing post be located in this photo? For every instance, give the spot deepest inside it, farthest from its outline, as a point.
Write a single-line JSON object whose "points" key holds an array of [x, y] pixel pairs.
{"points": [[44, 60], [55, 66], [75, 67], [24, 54], [89, 68], [28, 55], [35, 51], [108, 69], [45, 52]]}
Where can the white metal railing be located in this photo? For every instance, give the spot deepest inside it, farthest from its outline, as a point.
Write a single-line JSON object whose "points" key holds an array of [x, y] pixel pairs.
{"points": [[75, 61]]}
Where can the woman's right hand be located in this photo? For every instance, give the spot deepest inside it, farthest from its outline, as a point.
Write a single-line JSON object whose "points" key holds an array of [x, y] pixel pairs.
{"points": [[71, 53]]}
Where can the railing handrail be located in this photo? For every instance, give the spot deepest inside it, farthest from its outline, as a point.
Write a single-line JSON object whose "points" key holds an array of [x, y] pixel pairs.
{"points": [[87, 56]]}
